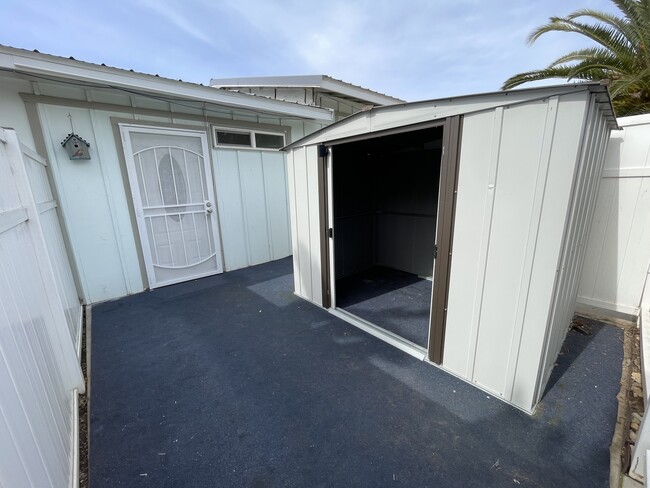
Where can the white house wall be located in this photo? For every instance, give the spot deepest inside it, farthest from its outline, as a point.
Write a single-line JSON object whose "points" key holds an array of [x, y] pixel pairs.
{"points": [[250, 186], [12, 109], [618, 251], [509, 223]]}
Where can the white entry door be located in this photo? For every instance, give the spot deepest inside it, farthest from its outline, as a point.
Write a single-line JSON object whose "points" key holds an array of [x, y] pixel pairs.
{"points": [[171, 183]]}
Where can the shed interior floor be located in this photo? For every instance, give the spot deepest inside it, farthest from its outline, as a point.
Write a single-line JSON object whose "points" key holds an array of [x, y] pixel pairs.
{"points": [[391, 299]]}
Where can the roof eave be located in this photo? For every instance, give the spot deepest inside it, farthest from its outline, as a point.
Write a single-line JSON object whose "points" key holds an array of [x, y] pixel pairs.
{"points": [[27, 62]]}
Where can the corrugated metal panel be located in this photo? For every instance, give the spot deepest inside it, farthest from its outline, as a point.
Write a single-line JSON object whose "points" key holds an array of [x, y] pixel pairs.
{"points": [[507, 240], [306, 225], [585, 191], [38, 365], [618, 248], [517, 203]]}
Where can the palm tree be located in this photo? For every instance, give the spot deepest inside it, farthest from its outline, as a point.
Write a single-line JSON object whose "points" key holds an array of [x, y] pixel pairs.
{"points": [[621, 54]]}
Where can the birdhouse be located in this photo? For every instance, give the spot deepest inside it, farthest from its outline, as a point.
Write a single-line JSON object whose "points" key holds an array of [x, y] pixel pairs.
{"points": [[77, 148]]}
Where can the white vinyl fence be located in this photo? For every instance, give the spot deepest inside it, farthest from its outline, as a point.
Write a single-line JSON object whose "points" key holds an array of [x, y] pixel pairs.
{"points": [[40, 318], [618, 249]]}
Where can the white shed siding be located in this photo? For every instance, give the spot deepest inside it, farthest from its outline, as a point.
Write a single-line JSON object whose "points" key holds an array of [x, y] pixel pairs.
{"points": [[303, 178], [589, 170], [506, 254], [507, 240], [527, 183], [618, 248], [39, 368]]}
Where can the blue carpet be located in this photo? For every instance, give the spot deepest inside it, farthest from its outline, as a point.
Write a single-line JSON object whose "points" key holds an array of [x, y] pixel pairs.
{"points": [[233, 381]]}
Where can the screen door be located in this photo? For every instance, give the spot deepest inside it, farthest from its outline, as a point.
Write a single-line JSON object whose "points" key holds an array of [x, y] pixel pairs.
{"points": [[171, 183]]}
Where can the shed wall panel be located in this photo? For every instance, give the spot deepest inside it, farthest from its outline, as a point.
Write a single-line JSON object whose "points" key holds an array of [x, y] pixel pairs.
{"points": [[514, 187], [303, 250], [294, 158], [521, 145], [480, 136], [585, 190], [559, 182]]}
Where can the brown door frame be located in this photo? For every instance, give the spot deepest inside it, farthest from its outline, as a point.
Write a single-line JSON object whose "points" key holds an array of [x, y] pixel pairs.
{"points": [[452, 127], [323, 212], [444, 238]]}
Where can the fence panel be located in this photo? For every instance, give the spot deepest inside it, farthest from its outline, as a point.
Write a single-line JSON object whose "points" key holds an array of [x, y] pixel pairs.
{"points": [[39, 367], [618, 251]]}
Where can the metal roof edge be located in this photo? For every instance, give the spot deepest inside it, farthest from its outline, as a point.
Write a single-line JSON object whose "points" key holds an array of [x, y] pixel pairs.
{"points": [[323, 82], [594, 87], [22, 61]]}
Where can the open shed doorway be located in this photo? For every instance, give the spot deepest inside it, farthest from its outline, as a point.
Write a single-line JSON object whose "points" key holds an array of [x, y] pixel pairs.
{"points": [[385, 193]]}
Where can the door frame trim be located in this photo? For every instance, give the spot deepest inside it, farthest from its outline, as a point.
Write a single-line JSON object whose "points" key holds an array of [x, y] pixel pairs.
{"points": [[444, 236], [449, 164], [124, 130]]}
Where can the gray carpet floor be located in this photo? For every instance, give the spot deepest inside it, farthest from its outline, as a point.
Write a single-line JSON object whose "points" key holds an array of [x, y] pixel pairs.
{"points": [[234, 381]]}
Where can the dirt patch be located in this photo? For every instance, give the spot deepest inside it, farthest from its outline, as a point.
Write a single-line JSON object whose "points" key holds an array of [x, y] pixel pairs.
{"points": [[630, 405], [83, 417], [634, 398]]}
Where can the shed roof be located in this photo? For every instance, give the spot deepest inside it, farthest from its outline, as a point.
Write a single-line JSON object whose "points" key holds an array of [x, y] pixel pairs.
{"points": [[57, 68], [379, 119], [322, 83]]}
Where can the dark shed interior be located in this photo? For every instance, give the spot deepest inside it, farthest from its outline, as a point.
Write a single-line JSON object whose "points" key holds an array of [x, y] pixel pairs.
{"points": [[385, 193]]}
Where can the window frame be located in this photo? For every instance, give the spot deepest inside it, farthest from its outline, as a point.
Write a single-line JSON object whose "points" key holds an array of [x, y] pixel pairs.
{"points": [[252, 133]]}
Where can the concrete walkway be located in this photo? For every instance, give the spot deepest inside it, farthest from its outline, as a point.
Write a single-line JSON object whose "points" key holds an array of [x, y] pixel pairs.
{"points": [[233, 381]]}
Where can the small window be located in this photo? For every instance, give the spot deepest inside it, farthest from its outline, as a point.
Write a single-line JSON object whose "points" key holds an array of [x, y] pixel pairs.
{"points": [[229, 138], [269, 141], [250, 139]]}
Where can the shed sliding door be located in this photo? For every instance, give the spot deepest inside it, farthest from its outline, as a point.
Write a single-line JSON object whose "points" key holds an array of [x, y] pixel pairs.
{"points": [[390, 200], [173, 197]]}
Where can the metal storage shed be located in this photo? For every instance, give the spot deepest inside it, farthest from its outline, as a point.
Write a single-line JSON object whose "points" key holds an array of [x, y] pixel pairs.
{"points": [[455, 228]]}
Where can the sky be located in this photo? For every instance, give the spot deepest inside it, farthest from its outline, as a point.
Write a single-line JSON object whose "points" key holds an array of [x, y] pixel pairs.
{"points": [[411, 49]]}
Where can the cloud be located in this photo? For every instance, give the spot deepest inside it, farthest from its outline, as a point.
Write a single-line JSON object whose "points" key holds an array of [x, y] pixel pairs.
{"points": [[413, 49]]}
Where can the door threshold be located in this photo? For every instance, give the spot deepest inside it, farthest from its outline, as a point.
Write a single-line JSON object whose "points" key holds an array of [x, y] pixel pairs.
{"points": [[391, 338]]}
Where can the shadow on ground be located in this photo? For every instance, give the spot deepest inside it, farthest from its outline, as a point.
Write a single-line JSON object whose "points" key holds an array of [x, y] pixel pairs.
{"points": [[233, 381]]}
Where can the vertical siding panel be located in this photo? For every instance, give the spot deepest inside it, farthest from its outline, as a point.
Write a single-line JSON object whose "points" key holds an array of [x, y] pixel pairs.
{"points": [[291, 162], [84, 199], [254, 203], [277, 204], [303, 222], [314, 224], [231, 209], [554, 215], [481, 135], [519, 156]]}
